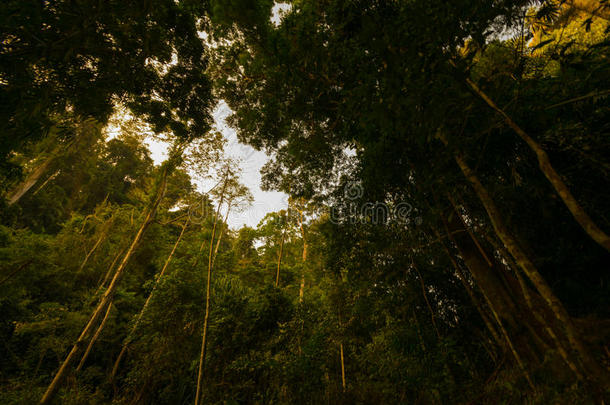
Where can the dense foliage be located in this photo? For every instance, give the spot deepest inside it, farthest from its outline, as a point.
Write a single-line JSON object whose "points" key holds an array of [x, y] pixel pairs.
{"points": [[446, 235]]}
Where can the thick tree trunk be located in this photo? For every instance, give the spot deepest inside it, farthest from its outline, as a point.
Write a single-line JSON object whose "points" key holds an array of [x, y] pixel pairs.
{"points": [[199, 393], [556, 181], [591, 369], [497, 299], [538, 310], [134, 328], [509, 342], [460, 274], [108, 295], [94, 338], [475, 301]]}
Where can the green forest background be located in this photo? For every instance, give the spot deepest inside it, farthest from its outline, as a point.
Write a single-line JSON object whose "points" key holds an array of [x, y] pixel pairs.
{"points": [[480, 127]]}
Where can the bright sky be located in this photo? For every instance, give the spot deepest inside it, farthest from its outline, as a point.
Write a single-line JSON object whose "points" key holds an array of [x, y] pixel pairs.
{"points": [[251, 160], [251, 163]]}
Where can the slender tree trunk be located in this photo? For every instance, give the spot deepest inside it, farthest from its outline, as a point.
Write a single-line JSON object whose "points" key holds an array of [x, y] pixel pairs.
{"points": [[221, 232], [593, 371], [102, 283], [92, 250], [21, 267], [556, 181], [279, 260], [32, 178], [199, 393], [108, 295], [342, 367], [302, 288], [421, 338], [51, 177], [104, 234], [423, 289], [19, 191], [94, 338], [134, 328], [516, 319]]}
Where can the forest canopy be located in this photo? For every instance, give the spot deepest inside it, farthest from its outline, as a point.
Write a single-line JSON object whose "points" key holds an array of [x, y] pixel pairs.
{"points": [[446, 234]]}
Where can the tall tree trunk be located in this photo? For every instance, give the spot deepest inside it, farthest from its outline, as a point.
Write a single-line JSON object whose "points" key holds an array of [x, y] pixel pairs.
{"points": [[469, 290], [279, 260], [591, 369], [342, 367], [94, 338], [223, 226], [199, 393], [556, 181], [301, 226], [109, 294], [134, 328]]}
